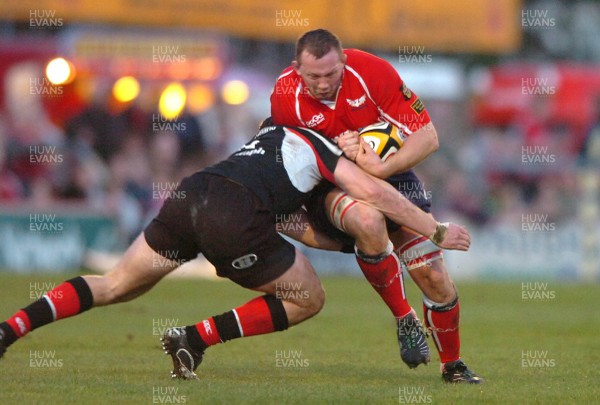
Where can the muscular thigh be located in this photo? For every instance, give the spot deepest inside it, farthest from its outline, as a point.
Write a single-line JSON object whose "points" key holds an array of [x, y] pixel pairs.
{"points": [[318, 206]]}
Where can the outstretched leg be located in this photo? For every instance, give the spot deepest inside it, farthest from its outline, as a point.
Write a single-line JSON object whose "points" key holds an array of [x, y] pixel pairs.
{"points": [[137, 272]]}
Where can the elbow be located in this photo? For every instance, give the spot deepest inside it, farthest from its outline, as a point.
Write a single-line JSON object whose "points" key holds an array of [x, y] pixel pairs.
{"points": [[434, 143], [430, 139]]}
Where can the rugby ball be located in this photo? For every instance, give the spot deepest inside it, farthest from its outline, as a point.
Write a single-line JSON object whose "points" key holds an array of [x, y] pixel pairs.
{"points": [[384, 138]]}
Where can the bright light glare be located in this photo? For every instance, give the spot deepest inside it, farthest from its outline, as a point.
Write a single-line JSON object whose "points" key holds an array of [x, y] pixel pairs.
{"points": [[125, 89], [59, 71], [172, 101], [200, 98], [235, 92]]}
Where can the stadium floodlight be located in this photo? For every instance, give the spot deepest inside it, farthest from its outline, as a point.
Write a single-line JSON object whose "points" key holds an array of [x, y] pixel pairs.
{"points": [[60, 71], [235, 92], [125, 89], [172, 100], [201, 98]]}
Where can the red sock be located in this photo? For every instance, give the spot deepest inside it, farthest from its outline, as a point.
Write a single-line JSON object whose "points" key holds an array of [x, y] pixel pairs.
{"points": [[261, 315], [19, 323], [444, 327], [69, 298], [386, 278]]}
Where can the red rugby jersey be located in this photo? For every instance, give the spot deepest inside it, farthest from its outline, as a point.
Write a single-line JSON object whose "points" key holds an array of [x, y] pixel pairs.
{"points": [[371, 91]]}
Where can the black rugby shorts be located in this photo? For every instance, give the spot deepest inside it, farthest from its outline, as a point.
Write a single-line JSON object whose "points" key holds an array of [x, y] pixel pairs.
{"points": [[226, 222]]}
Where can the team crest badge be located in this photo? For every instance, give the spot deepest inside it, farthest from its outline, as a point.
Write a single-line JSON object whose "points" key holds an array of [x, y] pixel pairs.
{"points": [[357, 102], [406, 91]]}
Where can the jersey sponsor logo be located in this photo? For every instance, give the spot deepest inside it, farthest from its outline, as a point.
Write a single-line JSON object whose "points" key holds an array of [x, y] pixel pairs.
{"points": [[406, 91], [265, 130], [207, 327], [250, 149], [245, 261], [417, 106], [357, 102], [315, 120]]}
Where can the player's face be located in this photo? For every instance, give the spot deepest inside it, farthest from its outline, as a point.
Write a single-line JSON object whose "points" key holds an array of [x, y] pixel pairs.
{"points": [[322, 76]]}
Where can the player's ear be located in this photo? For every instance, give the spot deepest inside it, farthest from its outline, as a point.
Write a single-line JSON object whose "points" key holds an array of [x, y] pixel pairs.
{"points": [[296, 65]]}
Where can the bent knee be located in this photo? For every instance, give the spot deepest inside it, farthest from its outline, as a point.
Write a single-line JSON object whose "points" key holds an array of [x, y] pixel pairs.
{"points": [[114, 293], [363, 220], [318, 302], [439, 289], [435, 282], [313, 302], [369, 219]]}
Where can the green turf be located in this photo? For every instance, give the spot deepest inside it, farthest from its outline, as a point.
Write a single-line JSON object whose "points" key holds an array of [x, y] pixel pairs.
{"points": [[347, 354]]}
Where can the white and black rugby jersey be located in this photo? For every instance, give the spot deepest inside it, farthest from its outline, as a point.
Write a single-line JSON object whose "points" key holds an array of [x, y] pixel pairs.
{"points": [[281, 165]]}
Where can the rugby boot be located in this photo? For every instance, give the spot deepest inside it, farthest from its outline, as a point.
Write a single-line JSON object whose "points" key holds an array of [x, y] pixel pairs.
{"points": [[185, 359], [458, 372], [413, 341]]}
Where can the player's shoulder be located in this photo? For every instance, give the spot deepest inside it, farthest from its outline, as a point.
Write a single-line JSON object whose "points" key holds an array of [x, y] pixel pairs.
{"points": [[361, 59], [369, 68], [288, 77]]}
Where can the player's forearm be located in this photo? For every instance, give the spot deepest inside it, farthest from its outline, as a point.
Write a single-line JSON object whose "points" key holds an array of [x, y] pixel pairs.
{"points": [[403, 212], [382, 196], [416, 148], [400, 210]]}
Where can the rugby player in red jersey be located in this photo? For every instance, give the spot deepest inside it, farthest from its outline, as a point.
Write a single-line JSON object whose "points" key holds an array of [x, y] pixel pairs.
{"points": [[336, 92], [228, 212]]}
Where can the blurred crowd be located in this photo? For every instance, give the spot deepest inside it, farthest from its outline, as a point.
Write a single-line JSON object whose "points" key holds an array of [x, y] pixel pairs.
{"points": [[100, 161], [113, 162], [490, 175]]}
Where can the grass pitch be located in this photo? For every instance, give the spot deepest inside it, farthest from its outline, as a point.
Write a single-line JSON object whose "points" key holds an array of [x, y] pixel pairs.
{"points": [[539, 347]]}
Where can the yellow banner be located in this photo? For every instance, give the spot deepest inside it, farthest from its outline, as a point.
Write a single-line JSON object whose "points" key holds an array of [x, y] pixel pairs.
{"points": [[476, 26]]}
